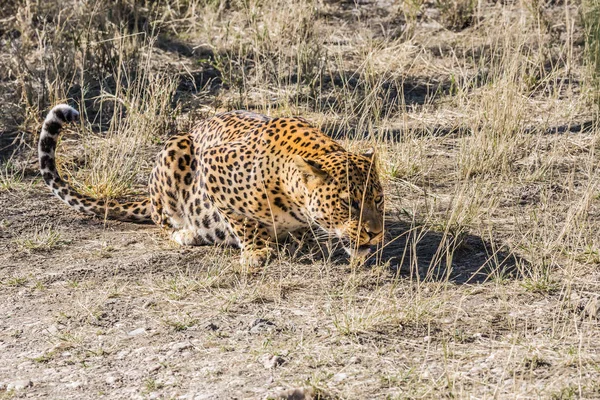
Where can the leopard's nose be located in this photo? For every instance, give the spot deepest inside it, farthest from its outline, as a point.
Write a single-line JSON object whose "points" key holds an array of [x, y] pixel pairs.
{"points": [[373, 228]]}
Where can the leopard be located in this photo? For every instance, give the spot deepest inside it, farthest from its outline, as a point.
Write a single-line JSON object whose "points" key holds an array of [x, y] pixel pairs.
{"points": [[244, 180]]}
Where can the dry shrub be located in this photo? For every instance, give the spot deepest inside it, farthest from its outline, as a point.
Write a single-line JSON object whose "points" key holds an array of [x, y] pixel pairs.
{"points": [[591, 21], [457, 15], [142, 114]]}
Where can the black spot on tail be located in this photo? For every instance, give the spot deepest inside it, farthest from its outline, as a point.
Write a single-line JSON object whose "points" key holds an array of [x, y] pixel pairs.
{"points": [[47, 144], [48, 177], [60, 115], [46, 162], [53, 127]]}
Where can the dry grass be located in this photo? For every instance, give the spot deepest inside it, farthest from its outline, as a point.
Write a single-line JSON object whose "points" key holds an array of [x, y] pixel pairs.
{"points": [[484, 115]]}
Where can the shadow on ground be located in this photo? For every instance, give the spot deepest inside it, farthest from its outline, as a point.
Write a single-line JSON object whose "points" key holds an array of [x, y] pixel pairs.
{"points": [[415, 251]]}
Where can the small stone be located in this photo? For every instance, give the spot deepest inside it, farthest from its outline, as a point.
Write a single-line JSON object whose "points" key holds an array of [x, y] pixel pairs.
{"points": [[475, 370], [431, 13], [136, 332], [294, 394], [122, 354], [73, 385], [181, 346], [339, 377], [52, 329], [153, 368], [270, 362], [262, 325], [112, 380], [212, 327], [205, 396], [19, 385], [354, 360], [149, 303]]}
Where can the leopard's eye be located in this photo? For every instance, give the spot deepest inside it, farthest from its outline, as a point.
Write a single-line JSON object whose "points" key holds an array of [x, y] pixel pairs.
{"points": [[355, 205], [379, 202]]}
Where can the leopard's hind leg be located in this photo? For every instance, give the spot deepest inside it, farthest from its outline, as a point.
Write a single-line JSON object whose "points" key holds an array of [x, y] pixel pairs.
{"points": [[169, 186], [179, 200]]}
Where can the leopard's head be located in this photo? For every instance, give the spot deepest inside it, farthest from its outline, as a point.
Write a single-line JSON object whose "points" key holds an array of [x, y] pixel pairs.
{"points": [[345, 198]]}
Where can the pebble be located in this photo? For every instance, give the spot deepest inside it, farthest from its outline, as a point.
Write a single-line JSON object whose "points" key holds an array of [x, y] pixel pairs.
{"points": [[73, 385], [122, 354], [136, 332], [270, 362], [339, 377], [294, 394], [181, 346], [262, 325], [205, 396], [153, 368], [354, 360], [112, 380], [52, 329], [19, 385], [212, 327]]}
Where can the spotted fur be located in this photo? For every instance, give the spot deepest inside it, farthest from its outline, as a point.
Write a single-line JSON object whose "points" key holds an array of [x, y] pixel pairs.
{"points": [[245, 180]]}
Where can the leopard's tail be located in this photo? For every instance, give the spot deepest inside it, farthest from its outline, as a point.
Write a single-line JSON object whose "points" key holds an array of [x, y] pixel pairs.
{"points": [[138, 211]]}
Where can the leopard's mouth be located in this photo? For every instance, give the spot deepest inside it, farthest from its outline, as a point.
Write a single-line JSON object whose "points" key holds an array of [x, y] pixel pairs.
{"points": [[358, 251], [351, 247]]}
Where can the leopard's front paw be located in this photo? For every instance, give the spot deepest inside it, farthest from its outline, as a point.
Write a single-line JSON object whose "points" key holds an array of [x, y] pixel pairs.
{"points": [[254, 259], [185, 237]]}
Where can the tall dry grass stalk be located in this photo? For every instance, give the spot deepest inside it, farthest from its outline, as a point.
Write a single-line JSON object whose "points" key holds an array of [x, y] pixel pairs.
{"points": [[142, 113], [591, 21]]}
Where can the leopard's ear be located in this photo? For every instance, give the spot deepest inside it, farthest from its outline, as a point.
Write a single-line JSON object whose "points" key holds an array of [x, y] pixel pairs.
{"points": [[311, 170], [370, 153]]}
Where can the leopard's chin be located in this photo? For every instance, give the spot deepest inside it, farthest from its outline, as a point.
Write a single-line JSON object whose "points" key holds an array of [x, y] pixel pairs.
{"points": [[358, 252]]}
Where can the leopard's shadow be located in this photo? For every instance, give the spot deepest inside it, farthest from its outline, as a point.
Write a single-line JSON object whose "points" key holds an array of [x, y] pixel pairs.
{"points": [[414, 251]]}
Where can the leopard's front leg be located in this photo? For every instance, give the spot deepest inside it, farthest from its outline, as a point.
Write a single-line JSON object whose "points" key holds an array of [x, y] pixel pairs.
{"points": [[254, 238]]}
